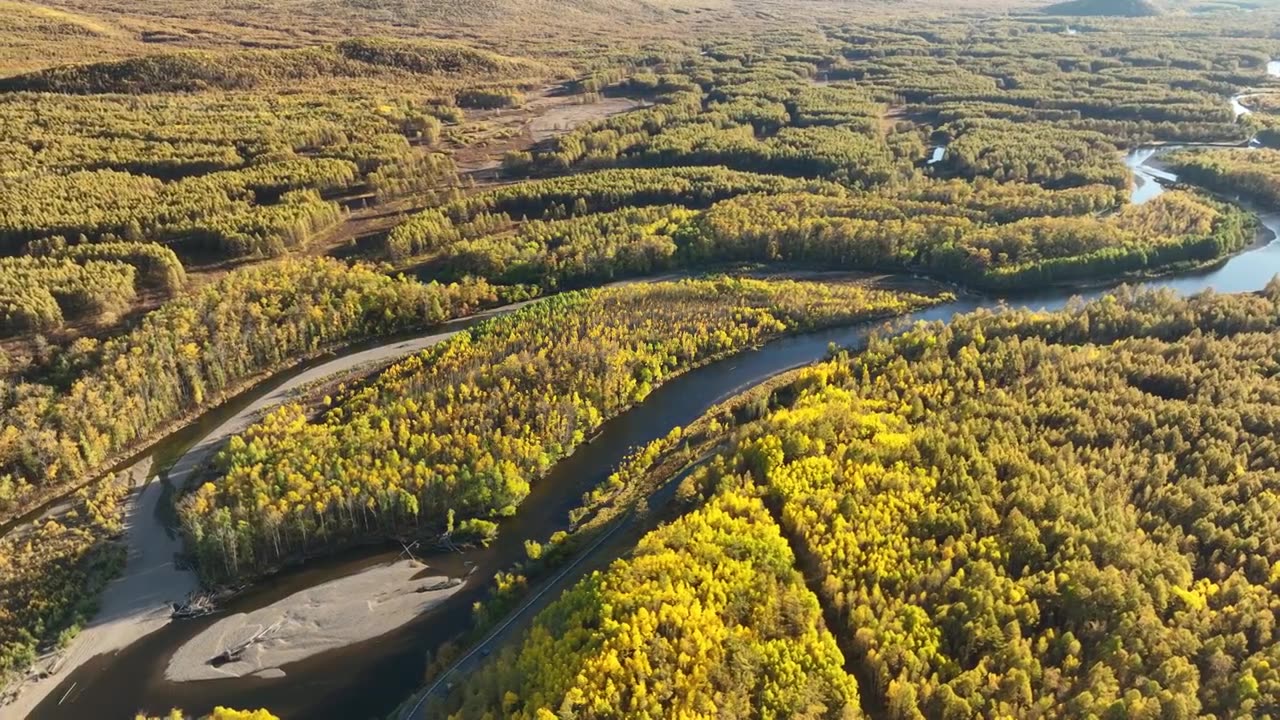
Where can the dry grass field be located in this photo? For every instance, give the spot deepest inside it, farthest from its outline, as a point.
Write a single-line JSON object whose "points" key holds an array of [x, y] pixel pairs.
{"points": [[36, 35], [41, 34]]}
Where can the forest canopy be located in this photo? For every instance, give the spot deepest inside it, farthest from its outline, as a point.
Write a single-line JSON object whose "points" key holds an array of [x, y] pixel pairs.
{"points": [[1061, 515], [1017, 514], [456, 436], [708, 617]]}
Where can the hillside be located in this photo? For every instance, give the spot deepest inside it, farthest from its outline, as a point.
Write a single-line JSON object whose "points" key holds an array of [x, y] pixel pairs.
{"points": [[30, 35], [1112, 8], [196, 70], [38, 33], [41, 34]]}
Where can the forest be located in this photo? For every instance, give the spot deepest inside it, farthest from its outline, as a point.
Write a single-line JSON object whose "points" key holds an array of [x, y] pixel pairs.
{"points": [[708, 617], [1013, 514], [986, 235], [206, 176], [1253, 174], [579, 195], [1030, 187], [107, 396], [166, 183], [448, 440]]}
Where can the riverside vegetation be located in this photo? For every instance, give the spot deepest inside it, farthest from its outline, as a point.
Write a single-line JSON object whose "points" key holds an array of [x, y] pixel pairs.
{"points": [[1253, 174], [1061, 515], [109, 396], [161, 214], [451, 438]]}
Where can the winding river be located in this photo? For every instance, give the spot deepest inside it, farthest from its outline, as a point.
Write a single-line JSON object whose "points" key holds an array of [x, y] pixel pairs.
{"points": [[371, 678]]}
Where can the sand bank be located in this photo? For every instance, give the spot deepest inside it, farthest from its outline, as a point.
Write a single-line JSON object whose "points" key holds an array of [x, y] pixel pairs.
{"points": [[325, 617]]}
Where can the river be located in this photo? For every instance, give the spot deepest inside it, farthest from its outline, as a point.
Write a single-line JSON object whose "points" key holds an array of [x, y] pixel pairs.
{"points": [[370, 678], [1238, 107]]}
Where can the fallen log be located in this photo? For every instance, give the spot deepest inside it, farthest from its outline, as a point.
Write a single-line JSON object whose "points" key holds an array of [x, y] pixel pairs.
{"points": [[234, 652]]}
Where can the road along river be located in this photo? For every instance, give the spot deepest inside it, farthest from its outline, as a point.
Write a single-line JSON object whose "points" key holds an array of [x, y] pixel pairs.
{"points": [[369, 678]]}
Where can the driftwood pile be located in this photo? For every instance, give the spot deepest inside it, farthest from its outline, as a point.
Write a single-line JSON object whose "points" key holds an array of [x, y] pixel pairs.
{"points": [[196, 605]]}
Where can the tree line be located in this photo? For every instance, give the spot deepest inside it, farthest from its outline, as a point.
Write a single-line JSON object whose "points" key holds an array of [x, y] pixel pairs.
{"points": [[190, 353], [1243, 173], [461, 431], [212, 177], [86, 281], [38, 294], [987, 234], [577, 195]]}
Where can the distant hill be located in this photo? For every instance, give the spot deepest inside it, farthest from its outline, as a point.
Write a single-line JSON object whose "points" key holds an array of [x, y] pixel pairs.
{"points": [[192, 71], [579, 33], [1114, 8], [30, 35], [34, 37]]}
